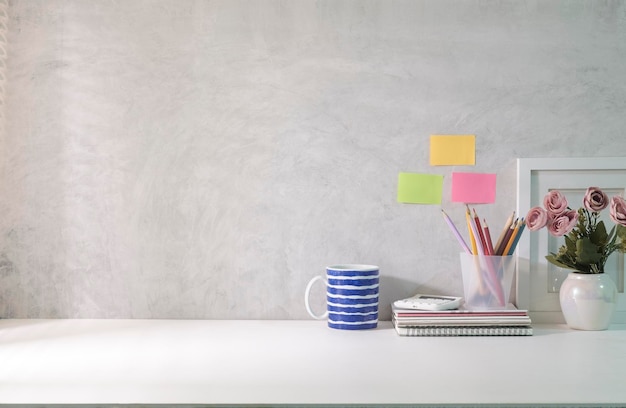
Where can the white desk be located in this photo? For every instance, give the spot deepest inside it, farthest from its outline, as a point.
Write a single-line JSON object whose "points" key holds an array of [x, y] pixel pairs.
{"points": [[301, 362]]}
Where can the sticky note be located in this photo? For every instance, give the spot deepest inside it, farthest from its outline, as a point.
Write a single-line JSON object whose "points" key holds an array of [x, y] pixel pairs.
{"points": [[416, 188], [473, 188], [450, 150]]}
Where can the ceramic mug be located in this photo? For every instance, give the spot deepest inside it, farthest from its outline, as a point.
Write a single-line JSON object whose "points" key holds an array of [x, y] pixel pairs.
{"points": [[351, 296]]}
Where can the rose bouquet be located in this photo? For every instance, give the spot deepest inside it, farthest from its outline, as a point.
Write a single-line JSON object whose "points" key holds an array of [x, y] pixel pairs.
{"points": [[587, 242]]}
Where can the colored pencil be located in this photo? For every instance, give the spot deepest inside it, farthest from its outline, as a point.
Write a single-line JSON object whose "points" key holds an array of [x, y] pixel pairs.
{"points": [[505, 229], [505, 239], [456, 233], [517, 237], [481, 235], [491, 277], [509, 244], [488, 237], [468, 217]]}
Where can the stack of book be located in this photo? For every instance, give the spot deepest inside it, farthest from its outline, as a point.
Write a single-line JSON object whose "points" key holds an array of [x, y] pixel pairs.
{"points": [[508, 321]]}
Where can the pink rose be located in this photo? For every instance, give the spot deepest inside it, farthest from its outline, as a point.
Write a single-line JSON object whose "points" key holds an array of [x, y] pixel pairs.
{"points": [[562, 224], [595, 199], [536, 218], [555, 203], [618, 210]]}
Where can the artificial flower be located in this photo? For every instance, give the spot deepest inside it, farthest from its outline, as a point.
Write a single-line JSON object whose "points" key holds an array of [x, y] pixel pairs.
{"points": [[536, 218], [587, 245], [555, 203]]}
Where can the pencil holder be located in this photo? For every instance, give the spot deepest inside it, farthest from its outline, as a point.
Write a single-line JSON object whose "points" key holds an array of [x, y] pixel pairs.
{"points": [[487, 280]]}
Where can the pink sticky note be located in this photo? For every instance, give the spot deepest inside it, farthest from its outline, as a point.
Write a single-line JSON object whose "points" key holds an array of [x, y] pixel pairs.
{"points": [[473, 188]]}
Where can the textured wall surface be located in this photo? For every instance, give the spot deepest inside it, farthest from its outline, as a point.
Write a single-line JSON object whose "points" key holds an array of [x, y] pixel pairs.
{"points": [[205, 159]]}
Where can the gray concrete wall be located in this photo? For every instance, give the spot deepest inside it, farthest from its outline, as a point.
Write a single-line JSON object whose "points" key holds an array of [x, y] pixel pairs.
{"points": [[205, 159]]}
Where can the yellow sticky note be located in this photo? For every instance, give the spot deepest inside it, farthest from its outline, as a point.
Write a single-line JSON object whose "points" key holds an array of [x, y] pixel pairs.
{"points": [[418, 188], [449, 150]]}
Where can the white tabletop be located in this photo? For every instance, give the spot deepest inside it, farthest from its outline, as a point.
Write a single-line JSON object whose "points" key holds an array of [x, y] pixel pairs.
{"points": [[301, 362]]}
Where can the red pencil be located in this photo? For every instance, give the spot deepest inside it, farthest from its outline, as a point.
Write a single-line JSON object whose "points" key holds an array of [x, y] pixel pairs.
{"points": [[488, 237], [480, 233]]}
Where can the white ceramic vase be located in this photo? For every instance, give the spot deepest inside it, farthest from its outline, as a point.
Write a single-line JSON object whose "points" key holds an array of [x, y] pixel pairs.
{"points": [[588, 300]]}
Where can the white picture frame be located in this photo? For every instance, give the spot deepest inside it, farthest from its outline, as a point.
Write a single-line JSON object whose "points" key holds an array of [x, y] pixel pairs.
{"points": [[537, 280]]}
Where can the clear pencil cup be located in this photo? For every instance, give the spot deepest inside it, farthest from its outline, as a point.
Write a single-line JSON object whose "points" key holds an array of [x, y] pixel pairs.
{"points": [[487, 280]]}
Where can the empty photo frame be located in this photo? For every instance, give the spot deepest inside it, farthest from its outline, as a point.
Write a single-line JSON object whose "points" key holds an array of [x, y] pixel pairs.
{"points": [[538, 281]]}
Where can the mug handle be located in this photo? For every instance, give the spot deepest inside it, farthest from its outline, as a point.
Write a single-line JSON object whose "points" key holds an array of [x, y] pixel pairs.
{"points": [[307, 293]]}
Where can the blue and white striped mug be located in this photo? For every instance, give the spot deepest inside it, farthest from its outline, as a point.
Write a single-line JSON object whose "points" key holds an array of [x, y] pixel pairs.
{"points": [[351, 296]]}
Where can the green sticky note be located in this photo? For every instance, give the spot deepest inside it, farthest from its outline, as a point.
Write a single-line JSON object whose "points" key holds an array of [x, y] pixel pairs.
{"points": [[416, 188]]}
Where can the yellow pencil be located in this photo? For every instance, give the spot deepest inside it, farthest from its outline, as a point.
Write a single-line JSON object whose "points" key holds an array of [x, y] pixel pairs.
{"points": [[468, 216]]}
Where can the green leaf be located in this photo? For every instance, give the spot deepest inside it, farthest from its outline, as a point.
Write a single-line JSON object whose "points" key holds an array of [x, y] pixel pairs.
{"points": [[570, 243], [612, 236], [599, 236], [621, 232], [556, 260], [587, 252]]}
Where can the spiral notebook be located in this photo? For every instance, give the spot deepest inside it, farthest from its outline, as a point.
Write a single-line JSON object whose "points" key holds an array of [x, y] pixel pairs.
{"points": [[508, 321], [435, 331]]}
